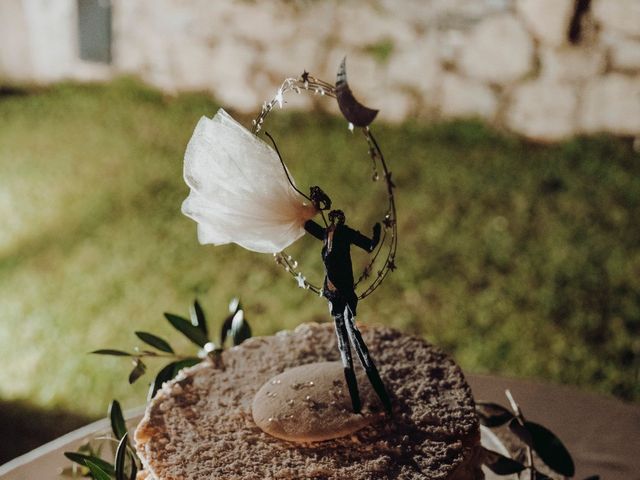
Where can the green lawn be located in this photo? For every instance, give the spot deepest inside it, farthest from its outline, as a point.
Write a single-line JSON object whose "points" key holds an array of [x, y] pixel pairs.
{"points": [[517, 259]]}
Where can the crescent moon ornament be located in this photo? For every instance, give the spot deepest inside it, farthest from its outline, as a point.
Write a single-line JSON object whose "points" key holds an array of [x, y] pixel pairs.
{"points": [[353, 111]]}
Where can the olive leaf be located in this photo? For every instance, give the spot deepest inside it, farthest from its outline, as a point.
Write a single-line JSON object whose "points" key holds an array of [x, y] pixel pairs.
{"points": [[185, 327], [493, 415], [121, 456], [520, 431], [550, 449], [500, 464], [96, 472], [240, 329], [118, 425], [537, 475], [134, 470], [139, 369], [226, 326], [198, 318], [168, 372], [234, 307], [154, 341], [82, 459], [164, 375], [110, 351]]}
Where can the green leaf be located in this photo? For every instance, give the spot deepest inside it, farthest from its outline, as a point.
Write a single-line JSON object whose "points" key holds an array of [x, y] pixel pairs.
{"points": [[185, 363], [164, 375], [493, 415], [81, 459], [121, 456], [520, 431], [139, 369], [540, 476], [224, 330], [500, 464], [118, 425], [240, 329], [134, 470], [234, 306], [550, 449], [198, 318], [109, 351], [155, 341], [168, 372], [184, 326], [148, 353], [96, 472]]}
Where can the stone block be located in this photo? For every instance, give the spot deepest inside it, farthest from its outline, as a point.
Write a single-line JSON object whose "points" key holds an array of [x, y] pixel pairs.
{"points": [[301, 53], [498, 50], [262, 22], [612, 104], [417, 67], [232, 69], [618, 15], [359, 25], [548, 20], [462, 97], [395, 106], [624, 52], [569, 63], [543, 110]]}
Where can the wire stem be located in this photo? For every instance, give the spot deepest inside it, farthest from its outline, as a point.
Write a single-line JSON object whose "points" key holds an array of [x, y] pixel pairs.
{"points": [[284, 166]]}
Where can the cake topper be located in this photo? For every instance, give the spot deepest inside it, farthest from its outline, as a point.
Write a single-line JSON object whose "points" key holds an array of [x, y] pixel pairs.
{"points": [[242, 192]]}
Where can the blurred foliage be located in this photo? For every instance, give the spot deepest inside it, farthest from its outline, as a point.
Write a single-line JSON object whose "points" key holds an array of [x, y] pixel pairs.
{"points": [[381, 51], [518, 259]]}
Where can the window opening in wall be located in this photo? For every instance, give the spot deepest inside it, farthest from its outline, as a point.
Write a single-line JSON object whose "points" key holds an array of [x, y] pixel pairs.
{"points": [[94, 30]]}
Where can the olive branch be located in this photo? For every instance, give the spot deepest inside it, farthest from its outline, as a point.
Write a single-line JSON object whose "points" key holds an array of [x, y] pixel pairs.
{"points": [[530, 437], [88, 460]]}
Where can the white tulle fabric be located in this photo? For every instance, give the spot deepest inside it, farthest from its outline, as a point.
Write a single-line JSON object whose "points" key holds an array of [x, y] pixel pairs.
{"points": [[239, 190]]}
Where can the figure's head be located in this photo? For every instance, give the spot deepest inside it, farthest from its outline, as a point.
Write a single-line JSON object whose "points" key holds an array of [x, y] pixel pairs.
{"points": [[319, 199], [336, 217]]}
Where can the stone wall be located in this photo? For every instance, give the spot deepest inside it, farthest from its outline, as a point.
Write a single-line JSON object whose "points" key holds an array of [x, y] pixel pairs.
{"points": [[546, 69]]}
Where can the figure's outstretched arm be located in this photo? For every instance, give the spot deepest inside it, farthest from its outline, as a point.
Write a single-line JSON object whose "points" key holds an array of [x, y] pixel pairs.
{"points": [[364, 242], [314, 229]]}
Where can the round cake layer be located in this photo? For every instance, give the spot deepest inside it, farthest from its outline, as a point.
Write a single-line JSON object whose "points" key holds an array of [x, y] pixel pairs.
{"points": [[200, 424]]}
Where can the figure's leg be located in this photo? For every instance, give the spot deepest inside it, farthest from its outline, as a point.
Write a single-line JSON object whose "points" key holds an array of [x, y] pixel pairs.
{"points": [[347, 360], [366, 360]]}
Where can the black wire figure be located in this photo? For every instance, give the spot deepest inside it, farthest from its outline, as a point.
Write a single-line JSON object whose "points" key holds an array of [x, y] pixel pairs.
{"points": [[338, 288]]}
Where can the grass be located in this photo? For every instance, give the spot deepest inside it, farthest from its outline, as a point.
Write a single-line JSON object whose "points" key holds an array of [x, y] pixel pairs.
{"points": [[517, 259]]}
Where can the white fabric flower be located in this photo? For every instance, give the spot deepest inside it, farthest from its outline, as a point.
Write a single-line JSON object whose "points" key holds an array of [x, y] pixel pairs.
{"points": [[239, 189]]}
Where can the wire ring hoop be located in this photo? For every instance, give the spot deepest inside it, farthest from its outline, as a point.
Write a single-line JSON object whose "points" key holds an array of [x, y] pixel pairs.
{"points": [[382, 259]]}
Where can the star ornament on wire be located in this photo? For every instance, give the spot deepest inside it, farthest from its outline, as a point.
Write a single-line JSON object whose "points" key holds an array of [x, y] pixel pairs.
{"points": [[279, 98], [302, 282], [388, 221]]}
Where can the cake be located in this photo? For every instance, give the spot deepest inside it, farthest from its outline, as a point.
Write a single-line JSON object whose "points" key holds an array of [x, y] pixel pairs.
{"points": [[201, 424]]}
